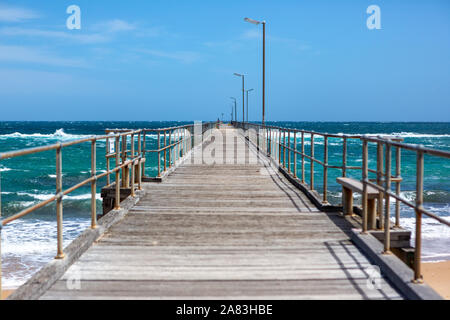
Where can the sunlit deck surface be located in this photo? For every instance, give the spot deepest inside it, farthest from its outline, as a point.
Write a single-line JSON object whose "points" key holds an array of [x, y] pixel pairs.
{"points": [[229, 231]]}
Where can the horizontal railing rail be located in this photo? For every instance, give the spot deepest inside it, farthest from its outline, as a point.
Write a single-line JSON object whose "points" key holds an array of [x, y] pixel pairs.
{"points": [[127, 148], [276, 142]]}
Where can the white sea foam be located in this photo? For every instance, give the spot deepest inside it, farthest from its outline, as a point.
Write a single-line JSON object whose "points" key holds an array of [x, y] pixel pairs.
{"points": [[57, 135], [28, 244], [46, 196]]}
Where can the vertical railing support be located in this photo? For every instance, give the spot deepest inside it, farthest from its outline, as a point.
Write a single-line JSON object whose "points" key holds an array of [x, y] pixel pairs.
{"points": [[419, 205], [59, 204], [325, 169], [398, 159], [139, 167], [380, 183], [94, 184], [117, 198], [144, 154], [132, 167], [387, 201], [159, 154], [289, 150], [295, 154], [108, 151], [303, 156], [365, 173]]}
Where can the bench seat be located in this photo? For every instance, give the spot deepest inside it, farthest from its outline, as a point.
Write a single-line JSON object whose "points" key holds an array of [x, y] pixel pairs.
{"points": [[349, 186]]}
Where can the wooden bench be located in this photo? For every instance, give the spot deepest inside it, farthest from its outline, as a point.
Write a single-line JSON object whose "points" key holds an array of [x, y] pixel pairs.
{"points": [[349, 186]]}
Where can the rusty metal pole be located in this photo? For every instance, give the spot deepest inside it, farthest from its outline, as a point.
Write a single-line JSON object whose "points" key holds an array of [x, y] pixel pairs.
{"points": [[117, 198], [325, 169], [144, 154], [380, 183], [397, 185], [159, 155], [170, 149], [94, 185], [387, 202], [303, 156], [132, 167], [139, 172], [311, 179], [365, 173], [344, 157], [108, 178], [59, 204], [295, 154], [419, 205], [289, 151], [165, 151]]}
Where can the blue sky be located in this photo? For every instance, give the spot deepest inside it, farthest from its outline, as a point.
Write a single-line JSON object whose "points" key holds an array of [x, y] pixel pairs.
{"points": [[174, 60]]}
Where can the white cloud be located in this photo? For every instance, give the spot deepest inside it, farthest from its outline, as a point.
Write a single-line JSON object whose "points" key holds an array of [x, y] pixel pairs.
{"points": [[115, 25], [36, 56], [16, 14], [82, 38], [180, 56]]}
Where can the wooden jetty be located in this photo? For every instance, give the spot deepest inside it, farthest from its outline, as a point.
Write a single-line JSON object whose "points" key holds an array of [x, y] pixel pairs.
{"points": [[233, 230], [223, 232]]}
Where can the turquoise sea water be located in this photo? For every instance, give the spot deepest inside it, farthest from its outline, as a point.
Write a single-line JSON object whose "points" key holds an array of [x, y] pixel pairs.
{"points": [[29, 243]]}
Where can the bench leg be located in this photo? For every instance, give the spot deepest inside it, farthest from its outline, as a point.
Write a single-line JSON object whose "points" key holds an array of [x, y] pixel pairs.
{"points": [[371, 214], [348, 201]]}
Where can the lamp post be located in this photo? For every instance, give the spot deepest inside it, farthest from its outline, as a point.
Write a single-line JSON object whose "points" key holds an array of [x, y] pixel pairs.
{"points": [[235, 112], [247, 91], [263, 66], [243, 94]]}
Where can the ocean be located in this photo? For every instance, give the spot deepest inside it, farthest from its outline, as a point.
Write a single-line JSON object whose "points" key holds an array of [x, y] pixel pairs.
{"points": [[30, 243]]}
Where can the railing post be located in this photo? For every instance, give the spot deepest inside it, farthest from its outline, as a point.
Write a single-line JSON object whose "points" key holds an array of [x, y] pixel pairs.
{"points": [[303, 156], [124, 158], [279, 147], [289, 151], [139, 172], [344, 157], [398, 160], [295, 154], [117, 198], [419, 205], [165, 151], [108, 178], [94, 185], [132, 166], [379, 182], [311, 179], [365, 173], [144, 154], [284, 148], [387, 201], [159, 155], [325, 169], [59, 204], [170, 149]]}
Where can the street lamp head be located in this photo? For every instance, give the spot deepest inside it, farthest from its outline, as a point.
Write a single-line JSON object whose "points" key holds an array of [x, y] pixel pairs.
{"points": [[233, 98], [237, 74], [252, 21], [249, 90]]}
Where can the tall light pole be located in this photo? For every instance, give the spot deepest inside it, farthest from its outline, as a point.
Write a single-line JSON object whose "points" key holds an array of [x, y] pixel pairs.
{"points": [[247, 91], [263, 66], [235, 112], [243, 94]]}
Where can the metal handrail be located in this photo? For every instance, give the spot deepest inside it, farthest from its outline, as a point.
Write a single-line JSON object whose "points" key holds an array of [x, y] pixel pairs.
{"points": [[385, 190], [125, 158], [276, 146]]}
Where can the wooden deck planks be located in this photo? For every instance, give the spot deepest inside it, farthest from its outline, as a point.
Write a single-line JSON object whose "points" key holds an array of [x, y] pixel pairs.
{"points": [[223, 232]]}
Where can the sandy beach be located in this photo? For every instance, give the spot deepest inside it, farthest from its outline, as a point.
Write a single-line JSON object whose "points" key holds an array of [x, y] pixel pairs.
{"points": [[437, 275]]}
